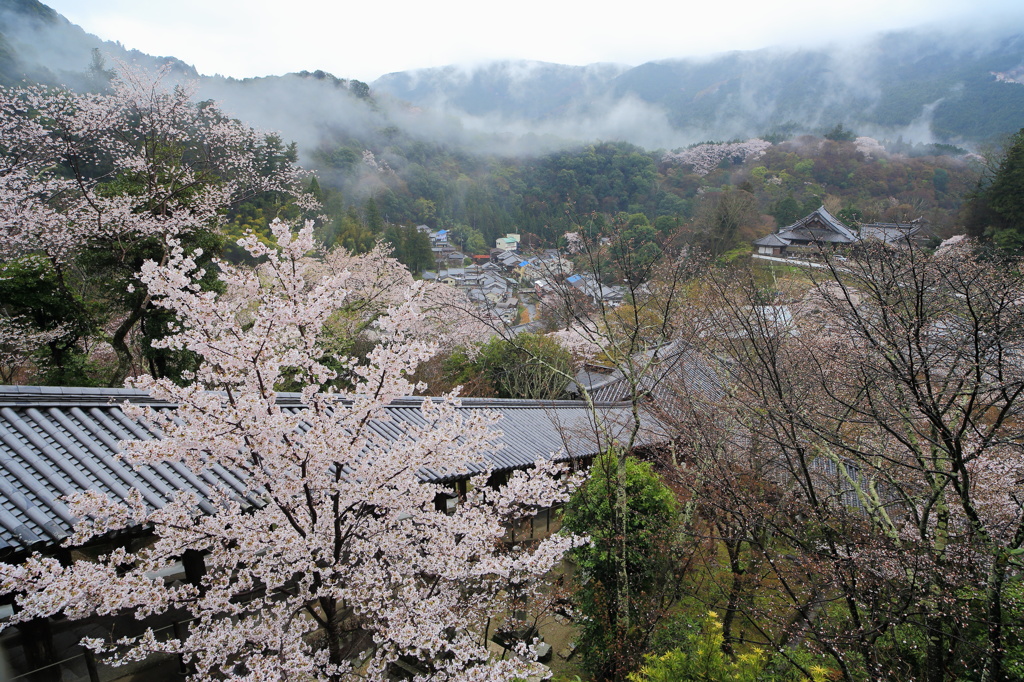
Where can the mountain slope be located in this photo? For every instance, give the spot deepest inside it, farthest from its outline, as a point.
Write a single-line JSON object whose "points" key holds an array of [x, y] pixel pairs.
{"points": [[926, 85], [923, 85], [39, 45]]}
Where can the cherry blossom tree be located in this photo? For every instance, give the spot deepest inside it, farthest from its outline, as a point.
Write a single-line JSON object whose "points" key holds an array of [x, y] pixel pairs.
{"points": [[377, 281], [862, 470], [705, 157], [140, 160], [116, 175], [573, 242], [346, 539]]}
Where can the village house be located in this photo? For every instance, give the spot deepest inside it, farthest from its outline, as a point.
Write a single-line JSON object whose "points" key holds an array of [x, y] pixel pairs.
{"points": [[508, 259], [451, 276], [771, 245], [494, 288], [510, 242], [548, 266], [440, 255], [595, 291], [439, 238]]}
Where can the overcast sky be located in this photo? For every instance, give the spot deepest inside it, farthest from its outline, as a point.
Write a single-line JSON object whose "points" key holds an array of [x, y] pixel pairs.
{"points": [[366, 39]]}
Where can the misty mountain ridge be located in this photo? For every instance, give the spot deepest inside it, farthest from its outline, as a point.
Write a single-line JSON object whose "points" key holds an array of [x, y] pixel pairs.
{"points": [[39, 45], [534, 90], [926, 86]]}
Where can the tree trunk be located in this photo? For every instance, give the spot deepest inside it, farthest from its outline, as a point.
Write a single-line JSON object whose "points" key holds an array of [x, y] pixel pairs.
{"points": [[737, 572], [993, 667], [120, 345], [332, 632], [37, 643], [623, 621]]}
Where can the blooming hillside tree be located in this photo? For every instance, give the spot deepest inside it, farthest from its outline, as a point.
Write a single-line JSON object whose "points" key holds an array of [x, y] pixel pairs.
{"points": [[141, 160], [346, 540], [705, 157], [98, 183]]}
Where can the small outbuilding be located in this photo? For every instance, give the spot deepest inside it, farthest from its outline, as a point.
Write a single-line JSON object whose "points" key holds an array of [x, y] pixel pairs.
{"points": [[772, 245]]}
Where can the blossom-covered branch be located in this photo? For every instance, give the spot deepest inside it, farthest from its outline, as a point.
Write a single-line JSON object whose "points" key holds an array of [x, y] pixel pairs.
{"points": [[344, 539]]}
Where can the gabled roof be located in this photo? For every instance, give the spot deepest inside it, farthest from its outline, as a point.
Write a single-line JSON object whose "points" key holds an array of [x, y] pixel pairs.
{"points": [[815, 235], [56, 441], [772, 240], [890, 233], [819, 225]]}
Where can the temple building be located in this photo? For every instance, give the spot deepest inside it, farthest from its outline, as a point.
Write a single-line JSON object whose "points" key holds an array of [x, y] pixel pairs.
{"points": [[821, 230]]}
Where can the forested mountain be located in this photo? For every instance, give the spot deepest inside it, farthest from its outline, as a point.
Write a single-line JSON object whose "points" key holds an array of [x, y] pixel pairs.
{"points": [[524, 89], [472, 172], [509, 146], [39, 45], [926, 85]]}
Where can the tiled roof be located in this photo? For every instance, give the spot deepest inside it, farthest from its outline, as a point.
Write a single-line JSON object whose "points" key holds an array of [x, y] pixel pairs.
{"points": [[814, 235], [834, 230], [56, 441], [890, 233], [772, 240], [676, 371]]}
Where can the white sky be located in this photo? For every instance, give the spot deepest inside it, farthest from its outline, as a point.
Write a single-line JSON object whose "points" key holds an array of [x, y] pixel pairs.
{"points": [[365, 39]]}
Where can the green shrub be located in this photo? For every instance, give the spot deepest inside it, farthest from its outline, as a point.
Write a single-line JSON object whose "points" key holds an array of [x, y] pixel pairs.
{"points": [[701, 659]]}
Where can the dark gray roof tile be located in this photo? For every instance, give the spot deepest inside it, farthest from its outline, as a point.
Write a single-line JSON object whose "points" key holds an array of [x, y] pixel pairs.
{"points": [[54, 441]]}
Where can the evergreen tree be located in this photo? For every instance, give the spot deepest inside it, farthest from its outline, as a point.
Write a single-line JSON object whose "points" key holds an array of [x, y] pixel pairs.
{"points": [[610, 649], [996, 210], [372, 215]]}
